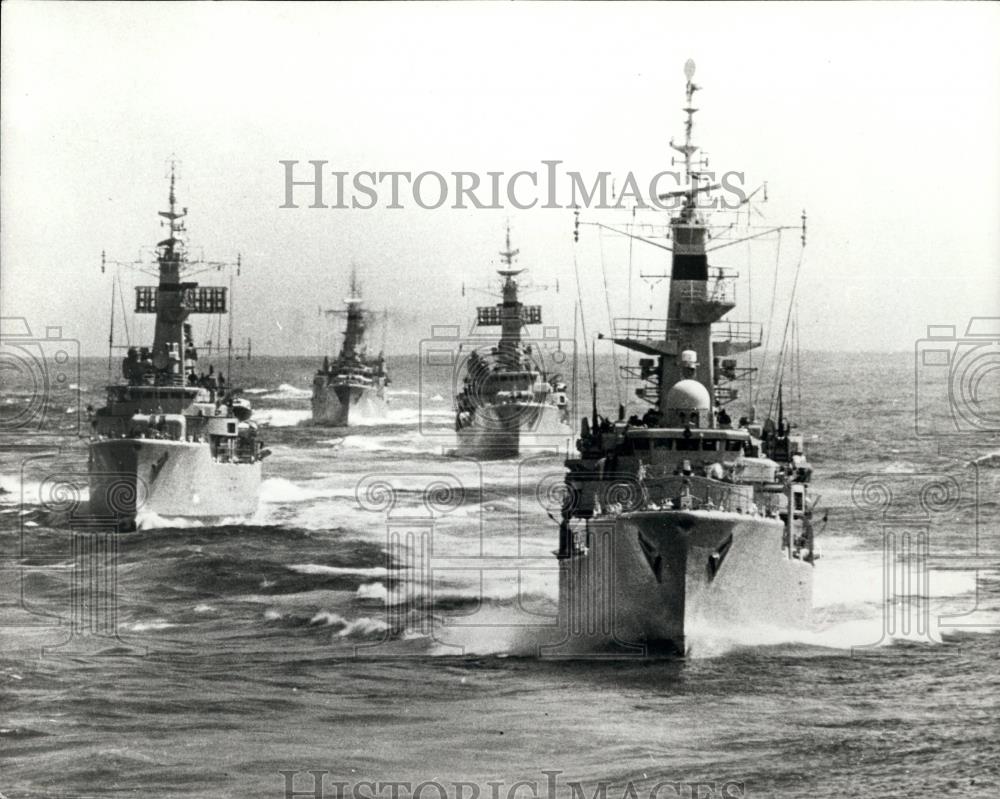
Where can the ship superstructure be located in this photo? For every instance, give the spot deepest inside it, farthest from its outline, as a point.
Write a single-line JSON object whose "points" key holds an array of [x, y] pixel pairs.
{"points": [[508, 403], [686, 518], [351, 388], [173, 440]]}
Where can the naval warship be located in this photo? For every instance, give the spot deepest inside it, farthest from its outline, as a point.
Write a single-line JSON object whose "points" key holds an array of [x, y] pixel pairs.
{"points": [[352, 387], [683, 519], [172, 440], [508, 404]]}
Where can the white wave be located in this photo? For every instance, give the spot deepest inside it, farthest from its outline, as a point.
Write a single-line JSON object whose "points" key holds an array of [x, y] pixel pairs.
{"points": [[857, 635], [153, 624], [372, 444], [282, 417], [901, 467], [278, 490], [288, 390], [150, 520], [317, 598], [364, 626], [376, 591], [317, 568], [328, 618], [847, 576]]}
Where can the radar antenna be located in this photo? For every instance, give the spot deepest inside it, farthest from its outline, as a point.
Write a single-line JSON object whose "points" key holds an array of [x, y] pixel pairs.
{"points": [[508, 255]]}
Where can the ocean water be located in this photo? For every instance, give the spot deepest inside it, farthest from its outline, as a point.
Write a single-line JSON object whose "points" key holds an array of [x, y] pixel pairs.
{"points": [[381, 618]]}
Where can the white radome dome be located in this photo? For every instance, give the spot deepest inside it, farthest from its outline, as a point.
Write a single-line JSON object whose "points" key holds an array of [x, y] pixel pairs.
{"points": [[688, 395]]}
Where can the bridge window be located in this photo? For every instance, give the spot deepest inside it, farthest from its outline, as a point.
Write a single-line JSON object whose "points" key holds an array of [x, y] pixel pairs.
{"points": [[734, 446], [687, 444], [710, 444], [664, 443]]}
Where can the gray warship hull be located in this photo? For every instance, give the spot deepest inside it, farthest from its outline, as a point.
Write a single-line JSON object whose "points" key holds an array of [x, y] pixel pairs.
{"points": [[654, 581], [343, 405], [514, 429], [131, 477]]}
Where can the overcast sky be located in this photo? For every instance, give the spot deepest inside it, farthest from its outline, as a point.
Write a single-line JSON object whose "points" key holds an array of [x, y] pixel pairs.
{"points": [[881, 120]]}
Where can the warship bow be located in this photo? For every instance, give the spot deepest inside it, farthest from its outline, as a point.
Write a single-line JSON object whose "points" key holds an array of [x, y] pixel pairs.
{"points": [[686, 518], [172, 440]]}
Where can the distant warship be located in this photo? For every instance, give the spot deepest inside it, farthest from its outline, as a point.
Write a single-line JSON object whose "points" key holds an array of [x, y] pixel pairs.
{"points": [[172, 441], [352, 387], [508, 405], [683, 518]]}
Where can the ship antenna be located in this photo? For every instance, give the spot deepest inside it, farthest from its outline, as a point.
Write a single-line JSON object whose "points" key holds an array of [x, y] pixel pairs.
{"points": [[781, 410], [593, 385], [508, 254], [688, 149], [354, 280], [173, 216], [173, 178]]}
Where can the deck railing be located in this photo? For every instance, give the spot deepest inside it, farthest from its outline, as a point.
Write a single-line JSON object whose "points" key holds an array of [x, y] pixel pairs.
{"points": [[643, 328], [751, 332]]}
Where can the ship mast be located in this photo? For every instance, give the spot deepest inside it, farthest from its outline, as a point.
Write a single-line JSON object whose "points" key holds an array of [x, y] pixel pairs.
{"points": [[688, 149], [683, 344], [171, 310], [692, 307], [355, 331], [510, 316]]}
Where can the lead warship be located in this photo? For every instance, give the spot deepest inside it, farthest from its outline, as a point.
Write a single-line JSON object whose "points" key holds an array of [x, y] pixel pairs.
{"points": [[352, 387], [173, 441], [684, 520], [508, 404]]}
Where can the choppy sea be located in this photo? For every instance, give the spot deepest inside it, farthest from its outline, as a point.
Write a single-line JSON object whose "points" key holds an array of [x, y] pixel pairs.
{"points": [[290, 655]]}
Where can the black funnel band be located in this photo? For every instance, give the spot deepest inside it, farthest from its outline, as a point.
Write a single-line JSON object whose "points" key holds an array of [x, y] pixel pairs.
{"points": [[689, 267]]}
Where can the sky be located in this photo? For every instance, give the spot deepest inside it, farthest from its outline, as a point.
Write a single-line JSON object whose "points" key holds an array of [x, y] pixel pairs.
{"points": [[881, 121]]}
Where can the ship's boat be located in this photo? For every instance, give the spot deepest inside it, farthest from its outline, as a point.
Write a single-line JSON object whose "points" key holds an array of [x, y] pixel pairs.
{"points": [[684, 519], [172, 440], [509, 404], [352, 387]]}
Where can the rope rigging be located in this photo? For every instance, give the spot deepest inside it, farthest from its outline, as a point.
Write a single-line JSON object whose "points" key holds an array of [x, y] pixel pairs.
{"points": [[583, 317], [611, 323], [785, 344]]}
